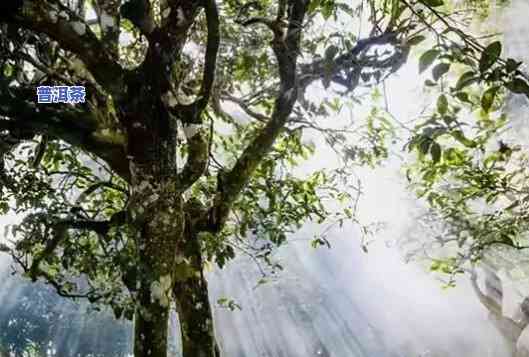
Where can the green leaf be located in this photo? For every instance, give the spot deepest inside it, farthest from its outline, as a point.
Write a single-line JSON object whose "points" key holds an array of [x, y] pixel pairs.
{"points": [[424, 145], [429, 83], [466, 79], [433, 3], [413, 41], [327, 9], [518, 86], [330, 52], [512, 65], [459, 136], [435, 151], [454, 156], [366, 76], [463, 96], [442, 104], [8, 70], [427, 58], [313, 6], [435, 265], [439, 70], [489, 56], [488, 98], [495, 75]]}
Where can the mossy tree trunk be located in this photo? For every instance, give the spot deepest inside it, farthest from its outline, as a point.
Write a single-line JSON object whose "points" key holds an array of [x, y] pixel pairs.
{"points": [[190, 290], [156, 221], [196, 319], [158, 232], [150, 330]]}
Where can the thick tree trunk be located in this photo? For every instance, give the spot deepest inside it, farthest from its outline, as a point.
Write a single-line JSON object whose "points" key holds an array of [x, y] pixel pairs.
{"points": [[153, 301], [196, 319], [163, 240], [150, 331], [159, 228]]}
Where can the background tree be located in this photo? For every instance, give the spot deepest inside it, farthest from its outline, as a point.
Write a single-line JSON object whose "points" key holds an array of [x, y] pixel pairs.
{"points": [[126, 198]]}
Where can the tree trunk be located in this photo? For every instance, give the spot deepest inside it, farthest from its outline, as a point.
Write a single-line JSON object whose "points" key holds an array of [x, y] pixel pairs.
{"points": [[150, 330], [152, 304], [196, 318], [169, 261], [159, 228]]}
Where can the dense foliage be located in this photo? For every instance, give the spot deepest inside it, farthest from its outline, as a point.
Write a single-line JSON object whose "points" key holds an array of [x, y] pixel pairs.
{"points": [[471, 167]]}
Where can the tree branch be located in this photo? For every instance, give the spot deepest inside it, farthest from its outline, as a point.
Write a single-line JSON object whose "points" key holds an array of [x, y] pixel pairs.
{"points": [[74, 125], [59, 230], [230, 184], [73, 34], [198, 145], [246, 108], [108, 18], [191, 113], [350, 60]]}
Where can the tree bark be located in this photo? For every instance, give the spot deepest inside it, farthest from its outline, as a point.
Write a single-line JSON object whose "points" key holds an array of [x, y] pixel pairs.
{"points": [[169, 265], [150, 330], [157, 245], [196, 318], [153, 303], [158, 225]]}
